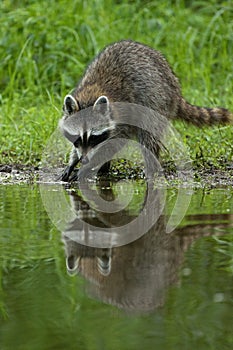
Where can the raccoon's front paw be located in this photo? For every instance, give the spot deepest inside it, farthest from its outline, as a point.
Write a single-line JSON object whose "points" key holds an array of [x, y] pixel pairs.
{"points": [[72, 175], [82, 174], [66, 174], [75, 176]]}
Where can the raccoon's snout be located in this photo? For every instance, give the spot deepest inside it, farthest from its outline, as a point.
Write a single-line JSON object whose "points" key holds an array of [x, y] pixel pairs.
{"points": [[84, 160]]}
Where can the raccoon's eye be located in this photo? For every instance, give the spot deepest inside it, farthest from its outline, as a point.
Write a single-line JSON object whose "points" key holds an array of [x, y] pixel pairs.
{"points": [[94, 140], [78, 142]]}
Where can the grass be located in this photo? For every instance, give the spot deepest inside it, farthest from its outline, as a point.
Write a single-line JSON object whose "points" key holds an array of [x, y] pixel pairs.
{"points": [[44, 48]]}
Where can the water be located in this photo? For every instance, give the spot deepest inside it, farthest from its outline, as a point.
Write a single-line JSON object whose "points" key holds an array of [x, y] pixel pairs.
{"points": [[162, 291]]}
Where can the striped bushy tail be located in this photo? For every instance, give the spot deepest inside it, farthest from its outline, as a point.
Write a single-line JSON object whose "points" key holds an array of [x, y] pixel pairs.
{"points": [[202, 115]]}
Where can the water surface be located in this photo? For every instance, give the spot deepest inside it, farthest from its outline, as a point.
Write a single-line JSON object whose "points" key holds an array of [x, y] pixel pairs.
{"points": [[162, 291]]}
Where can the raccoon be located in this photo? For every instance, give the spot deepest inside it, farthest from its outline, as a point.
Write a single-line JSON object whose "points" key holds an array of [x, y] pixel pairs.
{"points": [[128, 72]]}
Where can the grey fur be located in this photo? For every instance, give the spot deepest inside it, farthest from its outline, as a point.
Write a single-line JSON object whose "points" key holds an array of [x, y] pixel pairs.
{"points": [[129, 71]]}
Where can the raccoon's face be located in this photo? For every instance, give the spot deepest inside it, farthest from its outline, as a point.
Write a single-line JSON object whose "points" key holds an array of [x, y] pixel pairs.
{"points": [[86, 128]]}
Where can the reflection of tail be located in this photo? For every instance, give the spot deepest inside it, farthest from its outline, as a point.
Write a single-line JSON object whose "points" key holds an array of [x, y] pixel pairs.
{"points": [[203, 116]]}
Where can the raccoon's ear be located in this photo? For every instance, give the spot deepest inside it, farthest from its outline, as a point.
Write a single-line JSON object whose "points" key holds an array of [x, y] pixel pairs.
{"points": [[70, 105], [102, 104]]}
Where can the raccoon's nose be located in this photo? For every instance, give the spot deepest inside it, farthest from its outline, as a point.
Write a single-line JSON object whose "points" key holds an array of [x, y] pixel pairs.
{"points": [[84, 160]]}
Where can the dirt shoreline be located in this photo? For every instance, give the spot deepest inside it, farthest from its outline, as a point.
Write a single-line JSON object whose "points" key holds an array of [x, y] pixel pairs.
{"points": [[24, 174]]}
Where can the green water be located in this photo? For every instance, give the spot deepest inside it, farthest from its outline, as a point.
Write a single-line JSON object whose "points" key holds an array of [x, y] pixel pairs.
{"points": [[163, 291]]}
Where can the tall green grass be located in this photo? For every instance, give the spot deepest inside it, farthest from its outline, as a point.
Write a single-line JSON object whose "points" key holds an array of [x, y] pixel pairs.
{"points": [[45, 46]]}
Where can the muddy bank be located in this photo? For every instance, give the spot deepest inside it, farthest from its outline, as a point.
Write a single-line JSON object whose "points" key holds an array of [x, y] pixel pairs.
{"points": [[19, 174]]}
